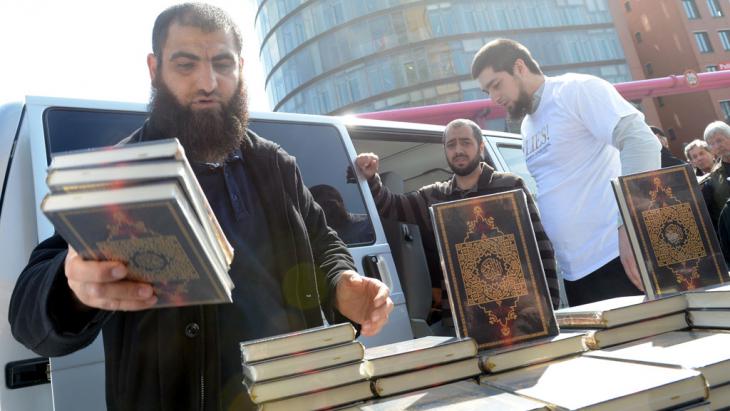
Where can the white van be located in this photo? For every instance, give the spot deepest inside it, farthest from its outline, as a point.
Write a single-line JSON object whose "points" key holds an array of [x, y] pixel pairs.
{"points": [[32, 131]]}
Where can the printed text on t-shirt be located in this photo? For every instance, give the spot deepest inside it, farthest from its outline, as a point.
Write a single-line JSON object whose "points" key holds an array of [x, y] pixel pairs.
{"points": [[536, 142]]}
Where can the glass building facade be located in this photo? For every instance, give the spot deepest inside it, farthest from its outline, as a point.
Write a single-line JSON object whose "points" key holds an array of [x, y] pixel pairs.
{"points": [[350, 56]]}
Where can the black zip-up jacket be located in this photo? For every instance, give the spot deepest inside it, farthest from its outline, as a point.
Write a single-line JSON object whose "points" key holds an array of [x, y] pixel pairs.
{"points": [[168, 359]]}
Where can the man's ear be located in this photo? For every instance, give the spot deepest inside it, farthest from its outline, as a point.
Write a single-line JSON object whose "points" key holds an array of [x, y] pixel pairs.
{"points": [[520, 67], [152, 66]]}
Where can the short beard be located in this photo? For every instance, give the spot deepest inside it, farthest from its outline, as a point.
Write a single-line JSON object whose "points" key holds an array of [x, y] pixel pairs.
{"points": [[467, 169], [209, 135], [522, 106]]}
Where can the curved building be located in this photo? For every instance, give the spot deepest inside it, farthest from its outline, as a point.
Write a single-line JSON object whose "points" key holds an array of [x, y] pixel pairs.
{"points": [[349, 56]]}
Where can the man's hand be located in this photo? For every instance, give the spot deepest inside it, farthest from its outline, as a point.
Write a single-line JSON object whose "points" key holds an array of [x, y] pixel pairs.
{"points": [[363, 300], [627, 258], [101, 284], [368, 164]]}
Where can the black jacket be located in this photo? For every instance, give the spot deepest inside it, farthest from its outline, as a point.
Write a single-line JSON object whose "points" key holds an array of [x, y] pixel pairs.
{"points": [[156, 359], [668, 158]]}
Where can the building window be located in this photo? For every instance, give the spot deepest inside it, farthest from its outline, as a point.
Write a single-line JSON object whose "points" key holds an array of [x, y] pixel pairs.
{"points": [[690, 8], [725, 106], [725, 39], [627, 6], [711, 68], [637, 35], [715, 9], [649, 69], [703, 42]]}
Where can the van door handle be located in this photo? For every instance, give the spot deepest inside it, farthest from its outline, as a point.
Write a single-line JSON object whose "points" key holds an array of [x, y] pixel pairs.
{"points": [[376, 267], [370, 266], [27, 373]]}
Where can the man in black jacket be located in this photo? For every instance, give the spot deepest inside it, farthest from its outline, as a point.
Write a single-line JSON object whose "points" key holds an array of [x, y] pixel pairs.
{"points": [[289, 269], [472, 177]]}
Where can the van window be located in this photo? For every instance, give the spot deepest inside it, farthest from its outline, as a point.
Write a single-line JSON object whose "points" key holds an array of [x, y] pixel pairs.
{"points": [[320, 154], [323, 161], [512, 155], [74, 129]]}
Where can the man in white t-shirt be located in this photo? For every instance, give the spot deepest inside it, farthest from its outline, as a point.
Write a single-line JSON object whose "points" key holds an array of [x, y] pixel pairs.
{"points": [[578, 133]]}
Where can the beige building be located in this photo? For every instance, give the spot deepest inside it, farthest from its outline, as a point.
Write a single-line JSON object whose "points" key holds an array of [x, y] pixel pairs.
{"points": [[670, 37]]}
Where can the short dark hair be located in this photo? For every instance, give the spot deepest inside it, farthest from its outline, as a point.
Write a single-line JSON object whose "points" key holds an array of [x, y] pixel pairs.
{"points": [[657, 131], [204, 16], [500, 55], [476, 131]]}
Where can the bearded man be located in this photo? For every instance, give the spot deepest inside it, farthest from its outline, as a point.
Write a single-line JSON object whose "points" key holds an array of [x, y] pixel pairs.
{"points": [[289, 269], [463, 147], [578, 133]]}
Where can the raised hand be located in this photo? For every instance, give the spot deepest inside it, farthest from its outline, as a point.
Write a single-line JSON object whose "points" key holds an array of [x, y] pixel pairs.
{"points": [[368, 164]]}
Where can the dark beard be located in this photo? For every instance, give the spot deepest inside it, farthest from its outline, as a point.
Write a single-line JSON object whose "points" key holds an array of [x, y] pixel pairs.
{"points": [[467, 169], [208, 136], [522, 106]]}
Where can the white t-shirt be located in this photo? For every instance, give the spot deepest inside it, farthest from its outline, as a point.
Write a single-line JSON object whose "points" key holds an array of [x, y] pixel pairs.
{"points": [[568, 147]]}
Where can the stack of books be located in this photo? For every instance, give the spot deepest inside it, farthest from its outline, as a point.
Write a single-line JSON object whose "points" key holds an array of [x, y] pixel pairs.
{"points": [[424, 362], [701, 350], [317, 368], [584, 382], [456, 396], [623, 319], [142, 205], [709, 308], [324, 367]]}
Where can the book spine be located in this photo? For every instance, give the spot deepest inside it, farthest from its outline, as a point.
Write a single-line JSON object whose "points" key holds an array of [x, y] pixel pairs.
{"points": [[452, 298], [212, 227], [633, 239]]}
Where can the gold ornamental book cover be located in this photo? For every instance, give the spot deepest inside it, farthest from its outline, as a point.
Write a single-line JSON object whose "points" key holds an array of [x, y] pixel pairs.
{"points": [[670, 232], [493, 271]]}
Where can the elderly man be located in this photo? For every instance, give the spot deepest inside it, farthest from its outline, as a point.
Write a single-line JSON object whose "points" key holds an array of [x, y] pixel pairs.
{"points": [[698, 154], [716, 188]]}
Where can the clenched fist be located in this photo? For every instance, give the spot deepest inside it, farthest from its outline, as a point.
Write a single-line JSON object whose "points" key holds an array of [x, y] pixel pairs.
{"points": [[367, 163]]}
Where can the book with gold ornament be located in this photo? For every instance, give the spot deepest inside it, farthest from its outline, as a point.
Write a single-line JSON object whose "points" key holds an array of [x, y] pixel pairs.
{"points": [[492, 270], [153, 230], [670, 231], [142, 205]]}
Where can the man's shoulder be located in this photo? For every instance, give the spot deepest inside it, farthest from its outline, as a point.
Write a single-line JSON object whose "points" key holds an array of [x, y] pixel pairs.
{"points": [[572, 82], [438, 186], [265, 149], [505, 180]]}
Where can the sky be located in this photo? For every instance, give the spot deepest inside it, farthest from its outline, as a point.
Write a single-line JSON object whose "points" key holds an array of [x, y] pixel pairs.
{"points": [[97, 49]]}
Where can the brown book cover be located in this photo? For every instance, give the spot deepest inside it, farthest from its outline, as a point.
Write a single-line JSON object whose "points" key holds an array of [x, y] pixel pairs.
{"points": [[492, 268], [670, 231]]}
